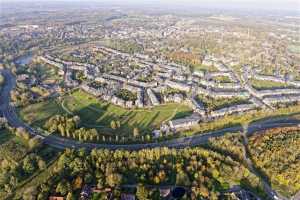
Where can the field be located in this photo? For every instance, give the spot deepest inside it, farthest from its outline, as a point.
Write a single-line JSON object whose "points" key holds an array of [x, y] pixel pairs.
{"points": [[37, 114], [261, 84], [222, 79], [98, 114], [218, 103]]}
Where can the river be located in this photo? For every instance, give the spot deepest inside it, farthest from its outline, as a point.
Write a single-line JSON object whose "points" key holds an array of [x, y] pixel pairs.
{"points": [[24, 60]]}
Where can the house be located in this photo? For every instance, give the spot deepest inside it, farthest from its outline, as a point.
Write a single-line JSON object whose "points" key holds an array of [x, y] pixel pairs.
{"points": [[139, 102], [232, 109], [85, 192], [282, 99], [156, 133], [56, 198], [184, 123], [164, 192], [178, 85], [127, 196], [197, 106], [152, 97]]}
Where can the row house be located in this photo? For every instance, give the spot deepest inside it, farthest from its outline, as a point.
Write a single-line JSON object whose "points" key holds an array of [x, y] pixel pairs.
{"points": [[213, 84], [232, 109], [282, 99], [184, 123], [272, 92], [152, 97], [178, 85], [197, 106], [223, 93]]}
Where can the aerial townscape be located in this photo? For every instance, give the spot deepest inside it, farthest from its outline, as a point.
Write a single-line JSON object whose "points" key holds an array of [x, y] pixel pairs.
{"points": [[142, 100]]}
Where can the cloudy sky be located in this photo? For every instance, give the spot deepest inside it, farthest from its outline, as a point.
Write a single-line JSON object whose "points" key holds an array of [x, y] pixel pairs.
{"points": [[250, 4]]}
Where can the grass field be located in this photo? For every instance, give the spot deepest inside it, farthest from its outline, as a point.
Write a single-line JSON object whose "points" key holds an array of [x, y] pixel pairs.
{"points": [[222, 79], [218, 103], [204, 68], [95, 113], [261, 84], [37, 114]]}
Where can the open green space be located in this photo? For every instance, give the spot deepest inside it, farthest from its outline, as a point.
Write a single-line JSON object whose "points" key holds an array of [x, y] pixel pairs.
{"points": [[37, 114], [201, 67], [95, 112], [98, 114], [218, 103], [263, 84], [222, 79], [294, 48]]}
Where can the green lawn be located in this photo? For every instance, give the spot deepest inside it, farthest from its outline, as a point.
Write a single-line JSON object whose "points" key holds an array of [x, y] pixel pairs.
{"points": [[37, 114], [261, 84], [204, 68], [95, 113], [218, 103], [222, 79]]}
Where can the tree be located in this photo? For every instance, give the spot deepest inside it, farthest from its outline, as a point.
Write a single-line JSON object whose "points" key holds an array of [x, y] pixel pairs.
{"points": [[113, 124], [136, 132], [70, 196], [182, 179], [118, 123], [114, 179], [34, 143], [29, 165], [142, 193], [30, 193], [41, 164], [63, 187]]}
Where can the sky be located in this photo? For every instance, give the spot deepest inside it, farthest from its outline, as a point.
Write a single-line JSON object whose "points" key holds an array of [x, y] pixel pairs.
{"points": [[248, 4]]}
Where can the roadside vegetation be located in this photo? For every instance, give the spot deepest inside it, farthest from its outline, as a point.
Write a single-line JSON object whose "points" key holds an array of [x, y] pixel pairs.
{"points": [[276, 153]]}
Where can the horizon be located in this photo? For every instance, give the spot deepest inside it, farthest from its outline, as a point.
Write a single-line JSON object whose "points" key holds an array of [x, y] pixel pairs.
{"points": [[248, 5]]}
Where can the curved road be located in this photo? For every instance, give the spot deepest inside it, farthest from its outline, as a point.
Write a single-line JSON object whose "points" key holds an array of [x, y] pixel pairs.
{"points": [[61, 143]]}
